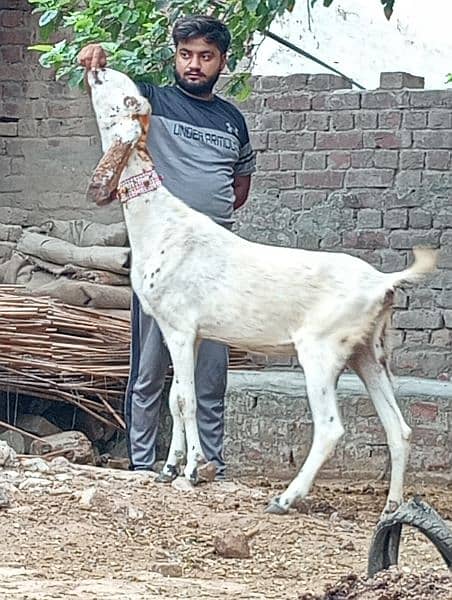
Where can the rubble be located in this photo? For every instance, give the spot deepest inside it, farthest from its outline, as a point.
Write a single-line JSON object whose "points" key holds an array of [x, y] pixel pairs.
{"points": [[232, 544], [100, 531]]}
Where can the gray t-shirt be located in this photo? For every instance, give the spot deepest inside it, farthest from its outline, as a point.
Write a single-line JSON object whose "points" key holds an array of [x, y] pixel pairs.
{"points": [[198, 147]]}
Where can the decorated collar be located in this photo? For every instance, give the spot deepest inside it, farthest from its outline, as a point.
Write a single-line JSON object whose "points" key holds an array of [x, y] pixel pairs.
{"points": [[134, 186]]}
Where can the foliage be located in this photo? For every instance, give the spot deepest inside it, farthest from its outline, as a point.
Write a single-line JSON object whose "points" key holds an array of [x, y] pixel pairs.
{"points": [[137, 33]]}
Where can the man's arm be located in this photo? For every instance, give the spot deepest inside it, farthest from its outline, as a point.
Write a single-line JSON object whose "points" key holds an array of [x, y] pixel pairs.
{"points": [[241, 186]]}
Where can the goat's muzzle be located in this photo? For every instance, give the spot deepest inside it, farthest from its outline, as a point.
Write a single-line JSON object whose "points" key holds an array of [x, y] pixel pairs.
{"points": [[105, 178]]}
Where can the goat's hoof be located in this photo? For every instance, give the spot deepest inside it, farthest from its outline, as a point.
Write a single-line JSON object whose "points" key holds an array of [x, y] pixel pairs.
{"points": [[275, 508], [167, 474], [204, 472], [390, 508]]}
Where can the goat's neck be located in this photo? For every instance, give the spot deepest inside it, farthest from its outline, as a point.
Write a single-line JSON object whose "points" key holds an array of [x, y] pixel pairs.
{"points": [[148, 216]]}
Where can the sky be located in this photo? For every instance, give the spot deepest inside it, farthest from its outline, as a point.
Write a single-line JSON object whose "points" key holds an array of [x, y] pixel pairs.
{"points": [[355, 38]]}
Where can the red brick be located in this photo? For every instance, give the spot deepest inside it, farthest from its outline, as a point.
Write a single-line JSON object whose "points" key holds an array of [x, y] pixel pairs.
{"points": [[389, 139], [325, 81], [339, 140], [342, 121], [11, 18], [433, 139], [291, 141], [375, 99], [415, 119], [293, 120], [440, 119], [339, 160], [365, 239], [369, 178], [431, 99], [320, 179], [16, 36], [426, 411], [438, 159], [342, 101], [389, 119], [12, 54], [399, 80], [279, 180], [290, 102]]}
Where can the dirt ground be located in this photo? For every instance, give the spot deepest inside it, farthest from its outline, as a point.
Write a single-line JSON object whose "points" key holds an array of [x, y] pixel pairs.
{"points": [[99, 534]]}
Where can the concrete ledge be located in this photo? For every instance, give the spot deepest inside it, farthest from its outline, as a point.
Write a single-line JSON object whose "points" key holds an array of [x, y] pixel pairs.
{"points": [[291, 383], [269, 426]]}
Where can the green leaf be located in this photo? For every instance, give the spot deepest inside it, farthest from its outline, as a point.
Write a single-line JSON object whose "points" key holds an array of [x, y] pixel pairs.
{"points": [[239, 86], [47, 17], [327, 3], [251, 5], [110, 47], [41, 47], [76, 77]]}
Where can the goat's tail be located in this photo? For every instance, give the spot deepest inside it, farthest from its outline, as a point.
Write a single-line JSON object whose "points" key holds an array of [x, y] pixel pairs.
{"points": [[425, 260]]}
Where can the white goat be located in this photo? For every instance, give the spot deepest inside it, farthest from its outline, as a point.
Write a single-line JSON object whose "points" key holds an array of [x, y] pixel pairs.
{"points": [[199, 280]]}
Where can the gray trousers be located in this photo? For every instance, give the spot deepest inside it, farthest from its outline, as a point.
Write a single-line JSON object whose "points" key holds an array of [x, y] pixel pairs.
{"points": [[150, 359]]}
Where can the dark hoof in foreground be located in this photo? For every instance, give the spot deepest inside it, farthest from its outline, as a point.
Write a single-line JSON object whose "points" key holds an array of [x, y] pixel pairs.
{"points": [[204, 473], [167, 477], [274, 508]]}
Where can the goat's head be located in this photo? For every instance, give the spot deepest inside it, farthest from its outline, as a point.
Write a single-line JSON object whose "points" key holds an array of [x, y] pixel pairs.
{"points": [[122, 116]]}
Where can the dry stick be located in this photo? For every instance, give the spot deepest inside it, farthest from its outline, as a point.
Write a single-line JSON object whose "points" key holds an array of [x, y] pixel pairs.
{"points": [[41, 322], [60, 452], [21, 431], [47, 455], [112, 411], [72, 400]]}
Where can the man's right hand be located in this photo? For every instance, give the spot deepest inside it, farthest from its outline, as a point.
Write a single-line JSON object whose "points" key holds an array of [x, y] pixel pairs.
{"points": [[92, 57]]}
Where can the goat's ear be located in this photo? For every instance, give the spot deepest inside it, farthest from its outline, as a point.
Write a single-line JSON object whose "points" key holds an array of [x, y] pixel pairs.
{"points": [[105, 178]]}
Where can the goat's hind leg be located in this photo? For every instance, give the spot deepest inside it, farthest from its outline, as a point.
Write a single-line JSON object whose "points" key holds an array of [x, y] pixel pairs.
{"points": [[322, 367], [369, 362]]}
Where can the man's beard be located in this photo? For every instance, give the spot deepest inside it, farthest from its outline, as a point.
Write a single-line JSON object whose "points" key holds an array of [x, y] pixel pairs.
{"points": [[203, 87]]}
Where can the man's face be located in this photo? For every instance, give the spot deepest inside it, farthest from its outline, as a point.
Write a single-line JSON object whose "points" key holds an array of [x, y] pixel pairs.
{"points": [[198, 66]]}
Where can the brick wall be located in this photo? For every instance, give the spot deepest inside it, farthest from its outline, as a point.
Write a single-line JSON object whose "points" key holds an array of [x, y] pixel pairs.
{"points": [[48, 138], [368, 172]]}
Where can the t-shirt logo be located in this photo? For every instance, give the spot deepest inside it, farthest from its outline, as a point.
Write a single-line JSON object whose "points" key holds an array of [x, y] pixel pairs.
{"points": [[232, 129]]}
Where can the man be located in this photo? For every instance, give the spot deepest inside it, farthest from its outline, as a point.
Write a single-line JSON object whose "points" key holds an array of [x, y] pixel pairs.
{"points": [[201, 148]]}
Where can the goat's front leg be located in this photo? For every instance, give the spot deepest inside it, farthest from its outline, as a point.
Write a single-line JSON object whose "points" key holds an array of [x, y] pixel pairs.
{"points": [[177, 452], [185, 435]]}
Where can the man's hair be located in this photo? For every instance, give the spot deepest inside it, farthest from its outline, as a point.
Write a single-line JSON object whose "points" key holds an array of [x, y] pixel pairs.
{"points": [[202, 26]]}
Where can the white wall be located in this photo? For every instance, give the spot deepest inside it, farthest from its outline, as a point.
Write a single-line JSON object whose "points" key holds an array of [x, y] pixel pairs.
{"points": [[355, 38]]}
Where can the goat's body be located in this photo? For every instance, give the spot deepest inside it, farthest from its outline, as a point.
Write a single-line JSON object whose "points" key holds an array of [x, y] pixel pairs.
{"points": [[283, 292], [199, 280]]}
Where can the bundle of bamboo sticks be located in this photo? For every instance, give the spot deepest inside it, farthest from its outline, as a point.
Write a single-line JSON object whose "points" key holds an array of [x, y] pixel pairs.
{"points": [[68, 354]]}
